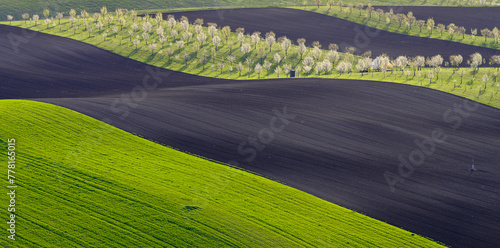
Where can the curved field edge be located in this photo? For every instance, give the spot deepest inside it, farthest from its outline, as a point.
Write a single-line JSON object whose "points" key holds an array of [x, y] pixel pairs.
{"points": [[16, 8], [362, 17], [82, 182], [469, 86]]}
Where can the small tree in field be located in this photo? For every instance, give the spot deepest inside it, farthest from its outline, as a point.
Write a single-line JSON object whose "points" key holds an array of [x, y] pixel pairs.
{"points": [[226, 32], [258, 69], [221, 66], [231, 59], [277, 58], [440, 28], [485, 79], [318, 2], [145, 36], [261, 52], [10, 18], [239, 68], [59, 16], [48, 21], [278, 71], [456, 60], [186, 58], [170, 51], [301, 49], [202, 37], [152, 47], [267, 65], [485, 33], [89, 29], [270, 40], [430, 75], [46, 13], [285, 44], [298, 69], [476, 60], [245, 49], [255, 38], [461, 73], [25, 16], [430, 25], [216, 41]]}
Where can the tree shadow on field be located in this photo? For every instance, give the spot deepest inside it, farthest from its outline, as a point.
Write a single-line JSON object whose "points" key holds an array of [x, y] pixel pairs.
{"points": [[133, 52], [150, 58]]}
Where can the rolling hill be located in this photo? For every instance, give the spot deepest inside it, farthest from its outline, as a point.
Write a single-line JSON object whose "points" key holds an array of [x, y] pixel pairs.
{"points": [[84, 183]]}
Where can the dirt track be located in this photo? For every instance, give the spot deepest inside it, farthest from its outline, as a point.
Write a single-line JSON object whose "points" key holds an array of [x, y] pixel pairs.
{"points": [[344, 136], [325, 29]]}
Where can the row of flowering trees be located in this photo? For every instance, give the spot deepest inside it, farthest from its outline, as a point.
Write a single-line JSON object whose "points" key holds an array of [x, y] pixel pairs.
{"points": [[408, 21], [181, 41]]}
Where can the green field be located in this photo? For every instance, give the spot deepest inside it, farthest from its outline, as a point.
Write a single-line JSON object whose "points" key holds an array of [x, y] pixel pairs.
{"points": [[84, 183], [16, 8], [470, 85]]}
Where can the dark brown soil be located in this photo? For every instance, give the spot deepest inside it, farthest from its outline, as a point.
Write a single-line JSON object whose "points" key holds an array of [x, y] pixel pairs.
{"points": [[342, 137], [326, 29], [468, 17]]}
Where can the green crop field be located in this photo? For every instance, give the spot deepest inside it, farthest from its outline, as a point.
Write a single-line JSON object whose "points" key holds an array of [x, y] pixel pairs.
{"points": [[84, 183], [190, 56], [16, 8]]}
